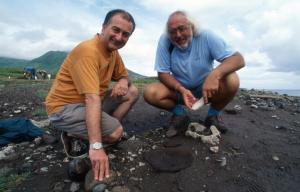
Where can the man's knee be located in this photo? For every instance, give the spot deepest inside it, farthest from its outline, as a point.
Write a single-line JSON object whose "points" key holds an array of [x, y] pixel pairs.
{"points": [[133, 93], [230, 83], [116, 135], [150, 93]]}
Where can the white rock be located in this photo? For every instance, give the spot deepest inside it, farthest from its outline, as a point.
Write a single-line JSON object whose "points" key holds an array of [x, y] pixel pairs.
{"points": [[17, 111]]}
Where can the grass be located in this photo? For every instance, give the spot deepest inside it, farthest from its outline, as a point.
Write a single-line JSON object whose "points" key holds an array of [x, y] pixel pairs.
{"points": [[11, 72]]}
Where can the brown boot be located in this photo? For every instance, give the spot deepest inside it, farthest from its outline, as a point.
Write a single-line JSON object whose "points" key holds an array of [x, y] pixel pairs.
{"points": [[177, 125]]}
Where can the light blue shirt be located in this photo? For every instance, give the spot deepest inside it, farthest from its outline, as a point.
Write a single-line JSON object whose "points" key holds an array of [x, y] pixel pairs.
{"points": [[190, 66]]}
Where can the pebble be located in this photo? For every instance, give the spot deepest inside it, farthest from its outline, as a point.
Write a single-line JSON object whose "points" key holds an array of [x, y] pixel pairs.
{"points": [[44, 169], [99, 188], [214, 149], [111, 156], [254, 106], [74, 187], [17, 111], [275, 158]]}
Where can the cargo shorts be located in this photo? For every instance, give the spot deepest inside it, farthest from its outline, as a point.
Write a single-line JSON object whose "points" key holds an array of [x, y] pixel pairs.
{"points": [[71, 118]]}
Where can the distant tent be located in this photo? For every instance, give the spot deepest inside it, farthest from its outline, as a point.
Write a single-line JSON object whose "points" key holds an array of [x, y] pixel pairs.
{"points": [[29, 72]]}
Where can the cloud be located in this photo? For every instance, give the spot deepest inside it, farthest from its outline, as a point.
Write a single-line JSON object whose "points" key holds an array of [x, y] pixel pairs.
{"points": [[31, 35]]}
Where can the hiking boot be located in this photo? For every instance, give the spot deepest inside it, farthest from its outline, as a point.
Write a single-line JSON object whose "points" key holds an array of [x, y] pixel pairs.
{"points": [[177, 125], [216, 121], [74, 147]]}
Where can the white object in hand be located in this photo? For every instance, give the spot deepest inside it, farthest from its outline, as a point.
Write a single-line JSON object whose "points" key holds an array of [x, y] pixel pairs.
{"points": [[198, 104]]}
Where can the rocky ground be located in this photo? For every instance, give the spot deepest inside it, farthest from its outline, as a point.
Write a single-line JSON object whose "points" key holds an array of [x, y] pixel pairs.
{"points": [[259, 153]]}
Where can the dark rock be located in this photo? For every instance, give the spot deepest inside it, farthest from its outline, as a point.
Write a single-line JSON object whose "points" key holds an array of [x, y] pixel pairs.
{"points": [[99, 188], [170, 159], [78, 169], [90, 183]]}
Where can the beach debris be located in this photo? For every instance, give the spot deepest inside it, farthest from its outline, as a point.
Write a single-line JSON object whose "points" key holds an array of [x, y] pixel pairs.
{"points": [[198, 104], [212, 139]]}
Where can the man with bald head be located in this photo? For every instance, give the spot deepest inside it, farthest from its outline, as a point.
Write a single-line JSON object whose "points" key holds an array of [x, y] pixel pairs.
{"points": [[184, 62]]}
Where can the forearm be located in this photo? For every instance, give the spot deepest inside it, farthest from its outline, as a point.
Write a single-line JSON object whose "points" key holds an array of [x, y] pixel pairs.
{"points": [[93, 117], [168, 80], [229, 65]]}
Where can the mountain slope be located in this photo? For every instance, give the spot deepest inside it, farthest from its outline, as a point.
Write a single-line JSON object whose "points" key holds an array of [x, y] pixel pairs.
{"points": [[49, 61], [11, 62]]}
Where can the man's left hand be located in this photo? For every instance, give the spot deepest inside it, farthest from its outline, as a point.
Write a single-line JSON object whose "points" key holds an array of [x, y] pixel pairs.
{"points": [[120, 88]]}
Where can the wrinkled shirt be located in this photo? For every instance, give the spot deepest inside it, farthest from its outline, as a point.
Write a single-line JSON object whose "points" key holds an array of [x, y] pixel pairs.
{"points": [[190, 66]]}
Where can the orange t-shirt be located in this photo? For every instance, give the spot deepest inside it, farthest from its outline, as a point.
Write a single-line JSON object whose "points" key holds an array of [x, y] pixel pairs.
{"points": [[88, 68]]}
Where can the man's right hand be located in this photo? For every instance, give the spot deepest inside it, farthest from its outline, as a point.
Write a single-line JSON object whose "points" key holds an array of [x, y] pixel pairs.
{"points": [[100, 163], [188, 97]]}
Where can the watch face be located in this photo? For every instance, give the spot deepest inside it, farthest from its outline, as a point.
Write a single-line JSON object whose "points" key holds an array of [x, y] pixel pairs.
{"points": [[97, 145]]}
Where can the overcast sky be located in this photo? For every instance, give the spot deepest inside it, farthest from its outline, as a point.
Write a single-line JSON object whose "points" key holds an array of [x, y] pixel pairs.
{"points": [[264, 31]]}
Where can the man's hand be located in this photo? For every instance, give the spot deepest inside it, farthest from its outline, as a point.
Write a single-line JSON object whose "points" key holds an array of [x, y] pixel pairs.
{"points": [[210, 86], [100, 163], [120, 88], [188, 97]]}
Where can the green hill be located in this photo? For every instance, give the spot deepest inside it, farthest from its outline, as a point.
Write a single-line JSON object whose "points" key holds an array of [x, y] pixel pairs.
{"points": [[6, 62], [49, 61]]}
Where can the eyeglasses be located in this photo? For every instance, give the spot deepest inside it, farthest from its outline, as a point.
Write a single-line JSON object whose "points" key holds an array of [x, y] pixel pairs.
{"points": [[181, 29]]}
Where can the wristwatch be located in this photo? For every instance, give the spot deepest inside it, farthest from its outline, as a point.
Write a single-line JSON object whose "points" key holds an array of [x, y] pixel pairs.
{"points": [[96, 146]]}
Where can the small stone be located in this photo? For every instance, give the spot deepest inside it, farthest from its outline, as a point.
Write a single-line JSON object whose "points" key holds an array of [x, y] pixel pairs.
{"points": [[17, 111], [132, 169], [99, 188], [74, 187], [44, 169], [90, 183], [162, 113], [222, 161], [275, 158], [111, 156], [214, 149], [254, 106]]}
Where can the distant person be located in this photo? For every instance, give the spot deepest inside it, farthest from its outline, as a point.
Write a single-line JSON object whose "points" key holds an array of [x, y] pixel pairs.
{"points": [[79, 101], [184, 62]]}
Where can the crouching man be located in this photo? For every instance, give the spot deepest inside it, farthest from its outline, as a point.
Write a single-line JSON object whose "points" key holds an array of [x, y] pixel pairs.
{"points": [[79, 102], [184, 62]]}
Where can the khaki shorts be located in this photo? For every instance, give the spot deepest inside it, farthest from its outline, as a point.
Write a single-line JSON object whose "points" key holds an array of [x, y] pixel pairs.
{"points": [[71, 118]]}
